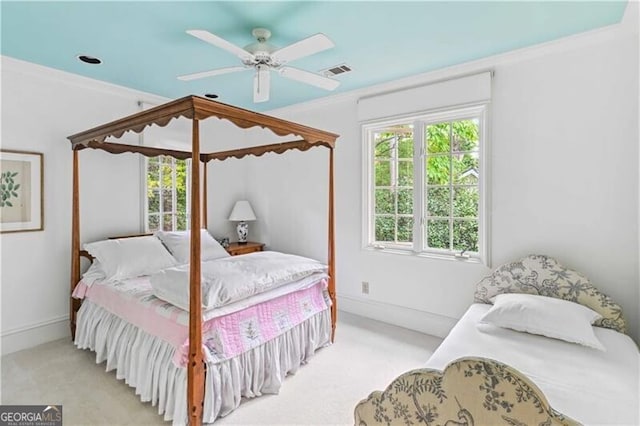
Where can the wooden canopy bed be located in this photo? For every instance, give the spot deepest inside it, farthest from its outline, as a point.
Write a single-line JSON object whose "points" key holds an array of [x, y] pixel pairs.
{"points": [[196, 109]]}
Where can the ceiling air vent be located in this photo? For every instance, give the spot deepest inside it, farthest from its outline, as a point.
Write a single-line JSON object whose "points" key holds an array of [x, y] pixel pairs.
{"points": [[338, 69]]}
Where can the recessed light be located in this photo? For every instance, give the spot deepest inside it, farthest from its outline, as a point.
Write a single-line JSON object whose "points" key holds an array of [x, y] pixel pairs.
{"points": [[211, 95], [89, 59]]}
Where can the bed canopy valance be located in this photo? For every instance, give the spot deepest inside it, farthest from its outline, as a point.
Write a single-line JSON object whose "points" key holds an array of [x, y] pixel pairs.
{"points": [[196, 109]]}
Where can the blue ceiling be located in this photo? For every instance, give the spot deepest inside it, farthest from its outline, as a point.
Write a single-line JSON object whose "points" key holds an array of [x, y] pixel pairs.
{"points": [[143, 45]]}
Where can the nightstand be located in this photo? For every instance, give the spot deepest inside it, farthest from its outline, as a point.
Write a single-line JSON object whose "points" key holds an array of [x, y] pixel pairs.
{"points": [[235, 249]]}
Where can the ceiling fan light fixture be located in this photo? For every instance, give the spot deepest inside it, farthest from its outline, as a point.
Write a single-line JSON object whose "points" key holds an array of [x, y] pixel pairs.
{"points": [[263, 57]]}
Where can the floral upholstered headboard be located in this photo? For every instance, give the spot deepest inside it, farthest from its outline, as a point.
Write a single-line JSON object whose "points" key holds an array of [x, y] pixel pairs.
{"points": [[545, 276], [469, 391]]}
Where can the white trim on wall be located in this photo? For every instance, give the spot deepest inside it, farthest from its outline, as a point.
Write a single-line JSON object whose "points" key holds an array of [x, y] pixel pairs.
{"points": [[10, 64], [413, 319], [31, 335]]}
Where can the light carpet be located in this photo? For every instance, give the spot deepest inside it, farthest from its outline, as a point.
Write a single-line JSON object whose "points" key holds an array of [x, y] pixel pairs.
{"points": [[366, 356]]}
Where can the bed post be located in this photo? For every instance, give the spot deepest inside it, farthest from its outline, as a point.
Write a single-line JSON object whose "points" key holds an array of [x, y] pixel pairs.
{"points": [[332, 251], [74, 304], [204, 194], [195, 368]]}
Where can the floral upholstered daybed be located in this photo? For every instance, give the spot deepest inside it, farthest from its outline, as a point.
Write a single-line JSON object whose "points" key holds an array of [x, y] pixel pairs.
{"points": [[541, 346]]}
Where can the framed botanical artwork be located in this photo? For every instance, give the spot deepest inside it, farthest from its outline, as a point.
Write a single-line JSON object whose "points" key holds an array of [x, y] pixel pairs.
{"points": [[22, 186]]}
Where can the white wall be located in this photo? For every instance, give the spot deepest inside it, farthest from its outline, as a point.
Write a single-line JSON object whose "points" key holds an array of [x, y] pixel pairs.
{"points": [[40, 108], [38, 113], [565, 183]]}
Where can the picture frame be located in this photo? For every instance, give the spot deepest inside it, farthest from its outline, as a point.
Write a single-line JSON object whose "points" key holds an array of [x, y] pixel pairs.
{"points": [[22, 191]]}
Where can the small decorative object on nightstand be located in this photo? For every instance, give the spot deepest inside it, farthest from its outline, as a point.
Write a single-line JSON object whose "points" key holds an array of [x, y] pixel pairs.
{"points": [[242, 212], [235, 249]]}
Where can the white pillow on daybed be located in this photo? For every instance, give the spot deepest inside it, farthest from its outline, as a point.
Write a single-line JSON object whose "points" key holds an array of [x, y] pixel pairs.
{"points": [[178, 243], [546, 316], [130, 257]]}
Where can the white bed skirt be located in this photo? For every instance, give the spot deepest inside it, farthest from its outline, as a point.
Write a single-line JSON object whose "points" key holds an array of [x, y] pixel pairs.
{"points": [[145, 363]]}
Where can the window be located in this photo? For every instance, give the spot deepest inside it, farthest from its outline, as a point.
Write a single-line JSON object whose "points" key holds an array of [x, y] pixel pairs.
{"points": [[425, 182], [167, 194]]}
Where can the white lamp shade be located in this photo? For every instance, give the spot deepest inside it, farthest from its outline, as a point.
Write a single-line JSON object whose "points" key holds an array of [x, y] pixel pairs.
{"points": [[242, 211]]}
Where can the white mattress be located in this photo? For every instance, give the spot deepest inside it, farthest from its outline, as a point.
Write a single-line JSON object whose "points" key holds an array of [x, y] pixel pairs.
{"points": [[591, 386]]}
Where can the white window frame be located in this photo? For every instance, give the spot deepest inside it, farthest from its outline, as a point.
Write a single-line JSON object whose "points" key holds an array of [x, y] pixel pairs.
{"points": [[420, 121], [145, 196]]}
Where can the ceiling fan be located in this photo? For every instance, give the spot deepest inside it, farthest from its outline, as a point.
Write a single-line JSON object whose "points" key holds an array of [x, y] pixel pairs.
{"points": [[265, 57]]}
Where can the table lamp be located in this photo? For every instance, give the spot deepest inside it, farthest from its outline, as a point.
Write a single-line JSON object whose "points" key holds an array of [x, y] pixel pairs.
{"points": [[241, 213]]}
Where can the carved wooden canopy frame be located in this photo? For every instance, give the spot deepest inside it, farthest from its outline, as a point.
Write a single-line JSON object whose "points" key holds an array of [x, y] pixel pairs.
{"points": [[196, 109]]}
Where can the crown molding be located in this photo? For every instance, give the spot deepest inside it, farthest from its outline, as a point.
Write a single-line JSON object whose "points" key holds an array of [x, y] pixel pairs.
{"points": [[575, 41], [18, 66]]}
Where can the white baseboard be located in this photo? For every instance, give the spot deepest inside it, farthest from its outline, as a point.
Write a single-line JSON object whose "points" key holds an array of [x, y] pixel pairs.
{"points": [[413, 319], [28, 336]]}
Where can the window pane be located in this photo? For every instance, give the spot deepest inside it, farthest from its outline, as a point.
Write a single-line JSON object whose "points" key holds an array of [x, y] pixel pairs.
{"points": [[181, 222], [405, 173], [167, 222], [167, 176], [181, 186], [383, 143], [383, 173], [385, 226], [405, 201], [405, 145], [405, 229], [167, 190], [385, 201], [465, 235], [450, 186], [152, 175], [154, 222], [153, 201], [466, 168], [437, 138], [465, 135], [438, 170], [167, 200], [438, 202], [438, 233], [465, 202]]}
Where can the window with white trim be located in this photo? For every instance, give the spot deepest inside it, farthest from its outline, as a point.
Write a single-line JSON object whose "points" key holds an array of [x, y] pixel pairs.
{"points": [[425, 183], [167, 195]]}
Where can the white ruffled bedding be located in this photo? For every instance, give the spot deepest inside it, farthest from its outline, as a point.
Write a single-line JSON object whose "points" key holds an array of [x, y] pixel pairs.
{"points": [[145, 363], [231, 279]]}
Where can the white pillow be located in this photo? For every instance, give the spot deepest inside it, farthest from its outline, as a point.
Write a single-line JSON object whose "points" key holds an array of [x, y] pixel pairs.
{"points": [[547, 316], [178, 243], [130, 257]]}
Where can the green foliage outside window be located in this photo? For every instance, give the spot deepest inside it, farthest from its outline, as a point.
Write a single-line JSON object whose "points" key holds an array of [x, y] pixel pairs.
{"points": [[451, 176], [160, 194]]}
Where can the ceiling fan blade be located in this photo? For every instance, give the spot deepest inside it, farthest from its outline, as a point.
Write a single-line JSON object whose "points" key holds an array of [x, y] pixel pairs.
{"points": [[305, 47], [309, 78], [261, 84], [211, 73], [221, 43]]}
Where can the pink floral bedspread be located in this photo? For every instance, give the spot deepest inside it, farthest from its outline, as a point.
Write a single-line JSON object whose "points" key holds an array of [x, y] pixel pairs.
{"points": [[223, 336]]}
